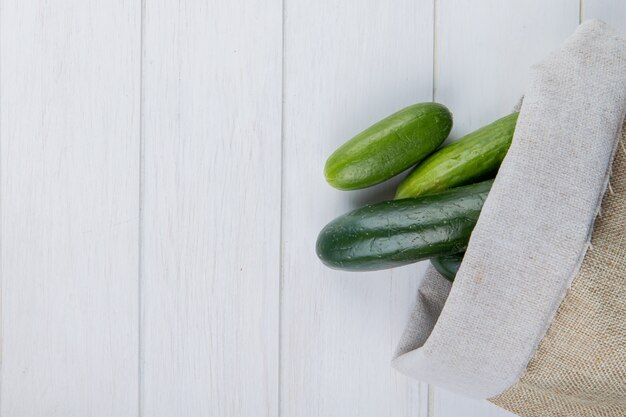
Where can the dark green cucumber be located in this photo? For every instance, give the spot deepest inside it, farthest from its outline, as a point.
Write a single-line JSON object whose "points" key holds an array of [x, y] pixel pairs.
{"points": [[448, 265], [389, 147], [474, 157], [400, 232]]}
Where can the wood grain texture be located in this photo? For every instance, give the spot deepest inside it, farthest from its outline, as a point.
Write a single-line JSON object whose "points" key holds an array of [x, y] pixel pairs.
{"points": [[347, 65], [612, 12], [484, 51], [69, 191], [211, 229]]}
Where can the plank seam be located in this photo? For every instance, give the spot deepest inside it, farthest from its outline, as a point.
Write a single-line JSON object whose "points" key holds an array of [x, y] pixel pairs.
{"points": [[435, 44], [391, 328], [141, 217], [430, 398], [281, 275], [2, 315], [580, 11]]}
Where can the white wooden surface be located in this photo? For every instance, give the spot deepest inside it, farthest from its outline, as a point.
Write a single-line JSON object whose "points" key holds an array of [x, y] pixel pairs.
{"points": [[161, 190], [211, 208], [612, 12], [69, 182], [338, 328]]}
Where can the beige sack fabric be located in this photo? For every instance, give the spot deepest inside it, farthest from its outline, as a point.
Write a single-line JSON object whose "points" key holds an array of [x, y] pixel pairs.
{"points": [[535, 319], [579, 368]]}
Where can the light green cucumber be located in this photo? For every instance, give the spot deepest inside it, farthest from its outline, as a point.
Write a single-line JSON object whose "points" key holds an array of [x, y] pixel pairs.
{"points": [[474, 157]]}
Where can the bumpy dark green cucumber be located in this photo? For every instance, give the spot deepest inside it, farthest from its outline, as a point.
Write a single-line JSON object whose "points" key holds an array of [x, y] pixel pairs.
{"points": [[400, 232], [448, 265], [474, 157], [389, 147]]}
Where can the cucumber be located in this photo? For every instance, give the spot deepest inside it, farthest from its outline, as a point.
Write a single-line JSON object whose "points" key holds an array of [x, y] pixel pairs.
{"points": [[448, 265], [400, 232], [474, 157], [389, 147]]}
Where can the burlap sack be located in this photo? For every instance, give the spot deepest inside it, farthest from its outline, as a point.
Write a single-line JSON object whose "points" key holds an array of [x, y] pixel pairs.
{"points": [[579, 367], [536, 318]]}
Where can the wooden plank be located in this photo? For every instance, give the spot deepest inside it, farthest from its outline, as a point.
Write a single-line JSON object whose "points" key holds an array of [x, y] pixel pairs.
{"points": [[484, 51], [211, 236], [69, 190], [346, 66], [612, 12]]}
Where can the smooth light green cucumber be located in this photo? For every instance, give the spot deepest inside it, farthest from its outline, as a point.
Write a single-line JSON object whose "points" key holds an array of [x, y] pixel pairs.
{"points": [[400, 232], [389, 147], [448, 265], [474, 157]]}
